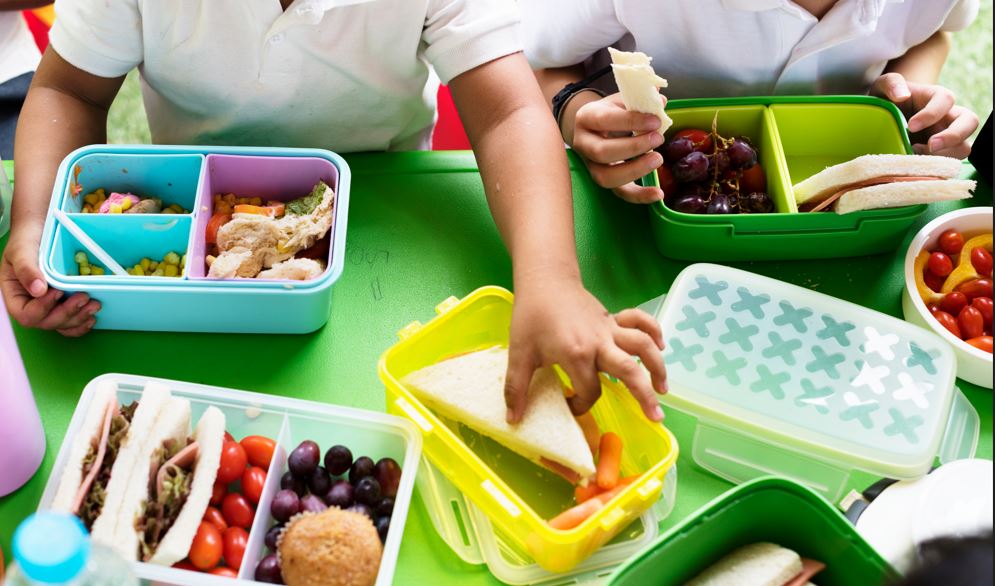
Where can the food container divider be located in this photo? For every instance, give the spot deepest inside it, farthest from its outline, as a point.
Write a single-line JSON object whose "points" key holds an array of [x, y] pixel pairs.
{"points": [[774, 510], [784, 380], [516, 495], [288, 421]]}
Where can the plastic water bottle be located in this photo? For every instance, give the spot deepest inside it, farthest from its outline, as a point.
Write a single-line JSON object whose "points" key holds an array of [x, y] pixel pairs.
{"points": [[54, 548]]}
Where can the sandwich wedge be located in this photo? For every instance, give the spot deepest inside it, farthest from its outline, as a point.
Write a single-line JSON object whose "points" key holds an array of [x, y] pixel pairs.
{"points": [[882, 181], [759, 564], [639, 84], [470, 389]]}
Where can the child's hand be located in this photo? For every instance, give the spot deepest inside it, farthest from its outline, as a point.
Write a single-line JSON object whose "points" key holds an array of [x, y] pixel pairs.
{"points": [[931, 110], [29, 299], [559, 322], [603, 136]]}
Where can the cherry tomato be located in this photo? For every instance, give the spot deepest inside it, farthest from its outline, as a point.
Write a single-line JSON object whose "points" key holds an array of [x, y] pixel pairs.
{"points": [[982, 261], [229, 437], [667, 182], [953, 302], [933, 308], [224, 571], [235, 540], [982, 343], [214, 517], [753, 180], [213, 225], [259, 450], [940, 264], [976, 288], [971, 323], [701, 139], [253, 481], [185, 565], [233, 462], [984, 305], [946, 320], [206, 550], [932, 281], [951, 242], [237, 510], [218, 493]]}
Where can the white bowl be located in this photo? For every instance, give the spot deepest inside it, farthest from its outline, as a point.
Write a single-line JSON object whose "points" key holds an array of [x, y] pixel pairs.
{"points": [[973, 365]]}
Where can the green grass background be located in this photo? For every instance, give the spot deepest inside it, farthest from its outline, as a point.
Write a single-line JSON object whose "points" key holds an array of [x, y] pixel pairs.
{"points": [[968, 73]]}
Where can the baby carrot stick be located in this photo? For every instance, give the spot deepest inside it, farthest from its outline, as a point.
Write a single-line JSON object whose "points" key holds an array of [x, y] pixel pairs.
{"points": [[608, 495], [586, 493], [573, 517], [609, 460], [591, 431]]}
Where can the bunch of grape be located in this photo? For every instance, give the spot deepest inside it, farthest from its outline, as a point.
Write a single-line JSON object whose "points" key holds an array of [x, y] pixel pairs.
{"points": [[706, 173]]}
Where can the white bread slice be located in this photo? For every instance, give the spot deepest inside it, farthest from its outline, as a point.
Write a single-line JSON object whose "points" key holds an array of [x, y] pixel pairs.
{"points": [[867, 167], [758, 564], [209, 435], [104, 398], [639, 85], [470, 389], [893, 195]]}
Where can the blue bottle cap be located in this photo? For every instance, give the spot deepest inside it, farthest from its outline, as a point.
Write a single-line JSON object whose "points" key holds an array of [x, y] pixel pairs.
{"points": [[51, 548]]}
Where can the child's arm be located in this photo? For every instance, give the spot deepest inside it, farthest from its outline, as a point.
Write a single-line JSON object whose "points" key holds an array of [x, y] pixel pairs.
{"points": [[66, 108], [910, 82], [527, 181], [22, 4]]}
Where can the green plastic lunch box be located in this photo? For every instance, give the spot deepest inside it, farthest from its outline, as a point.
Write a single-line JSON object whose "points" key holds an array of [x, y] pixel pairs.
{"points": [[795, 137], [774, 510], [189, 177]]}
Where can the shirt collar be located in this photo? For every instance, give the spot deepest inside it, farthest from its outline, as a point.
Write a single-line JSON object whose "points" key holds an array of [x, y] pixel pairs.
{"points": [[867, 11]]}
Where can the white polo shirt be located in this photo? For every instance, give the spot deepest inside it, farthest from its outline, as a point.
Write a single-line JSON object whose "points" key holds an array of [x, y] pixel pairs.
{"points": [[349, 75], [18, 52], [718, 48]]}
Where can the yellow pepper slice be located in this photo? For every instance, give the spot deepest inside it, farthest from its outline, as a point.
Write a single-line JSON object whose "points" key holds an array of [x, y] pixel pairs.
{"points": [[927, 294], [965, 269]]}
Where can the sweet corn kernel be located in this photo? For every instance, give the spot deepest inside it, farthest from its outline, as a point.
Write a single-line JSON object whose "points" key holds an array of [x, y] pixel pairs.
{"points": [[183, 260], [138, 269], [90, 198], [171, 258], [125, 204], [115, 208], [80, 257], [172, 270], [84, 270], [159, 272], [153, 265], [145, 263], [256, 201], [176, 208], [97, 271]]}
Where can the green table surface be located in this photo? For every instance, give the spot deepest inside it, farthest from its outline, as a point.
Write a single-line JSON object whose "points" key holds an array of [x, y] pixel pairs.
{"points": [[420, 231]]}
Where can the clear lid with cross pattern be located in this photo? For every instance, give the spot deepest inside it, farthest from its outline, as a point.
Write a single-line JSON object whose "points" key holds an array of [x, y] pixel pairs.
{"points": [[806, 371]]}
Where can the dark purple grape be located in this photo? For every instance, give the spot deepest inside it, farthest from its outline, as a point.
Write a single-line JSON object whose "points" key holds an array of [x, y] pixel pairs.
{"points": [[741, 154], [677, 149], [720, 161], [720, 204], [312, 504], [338, 459], [362, 509], [691, 168], [340, 495], [303, 461], [385, 507], [388, 474], [320, 482], [368, 491], [690, 204], [757, 203], [285, 505], [361, 468], [268, 570], [383, 526], [288, 482], [272, 536]]}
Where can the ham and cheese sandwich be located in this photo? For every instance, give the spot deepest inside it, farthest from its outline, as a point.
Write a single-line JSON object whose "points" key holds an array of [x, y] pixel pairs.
{"points": [[760, 564], [882, 181]]}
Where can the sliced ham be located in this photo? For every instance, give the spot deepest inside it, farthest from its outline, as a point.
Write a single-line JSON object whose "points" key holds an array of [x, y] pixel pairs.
{"points": [[557, 468], [98, 460], [184, 459], [809, 568], [817, 204]]}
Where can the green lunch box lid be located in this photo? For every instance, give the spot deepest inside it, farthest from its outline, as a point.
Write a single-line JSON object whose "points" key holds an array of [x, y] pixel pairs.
{"points": [[769, 509]]}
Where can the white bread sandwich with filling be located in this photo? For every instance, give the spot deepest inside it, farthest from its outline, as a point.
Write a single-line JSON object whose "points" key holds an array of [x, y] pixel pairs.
{"points": [[639, 85], [470, 389], [759, 564], [882, 181]]}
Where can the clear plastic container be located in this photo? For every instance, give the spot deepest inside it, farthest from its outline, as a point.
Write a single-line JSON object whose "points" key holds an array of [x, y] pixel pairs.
{"points": [[288, 421], [51, 548], [784, 380]]}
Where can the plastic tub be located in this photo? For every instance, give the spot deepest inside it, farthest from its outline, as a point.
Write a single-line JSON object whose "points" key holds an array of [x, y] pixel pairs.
{"points": [[783, 380], [796, 137], [189, 176], [774, 510], [973, 365], [20, 424], [516, 495], [288, 421]]}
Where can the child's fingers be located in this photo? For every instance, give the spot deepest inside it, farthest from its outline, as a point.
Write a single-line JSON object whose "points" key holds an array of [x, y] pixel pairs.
{"points": [[80, 330], [24, 262], [29, 311], [521, 367], [63, 314], [598, 149], [610, 115], [586, 384], [941, 100], [893, 87], [640, 320], [81, 317], [634, 193], [612, 176], [963, 123], [640, 344], [623, 367]]}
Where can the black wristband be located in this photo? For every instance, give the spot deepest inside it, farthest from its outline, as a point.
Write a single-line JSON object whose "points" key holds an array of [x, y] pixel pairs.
{"points": [[571, 89]]}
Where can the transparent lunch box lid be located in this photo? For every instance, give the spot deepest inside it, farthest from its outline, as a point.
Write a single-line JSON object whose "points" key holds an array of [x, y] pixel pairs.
{"points": [[830, 379], [471, 535]]}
